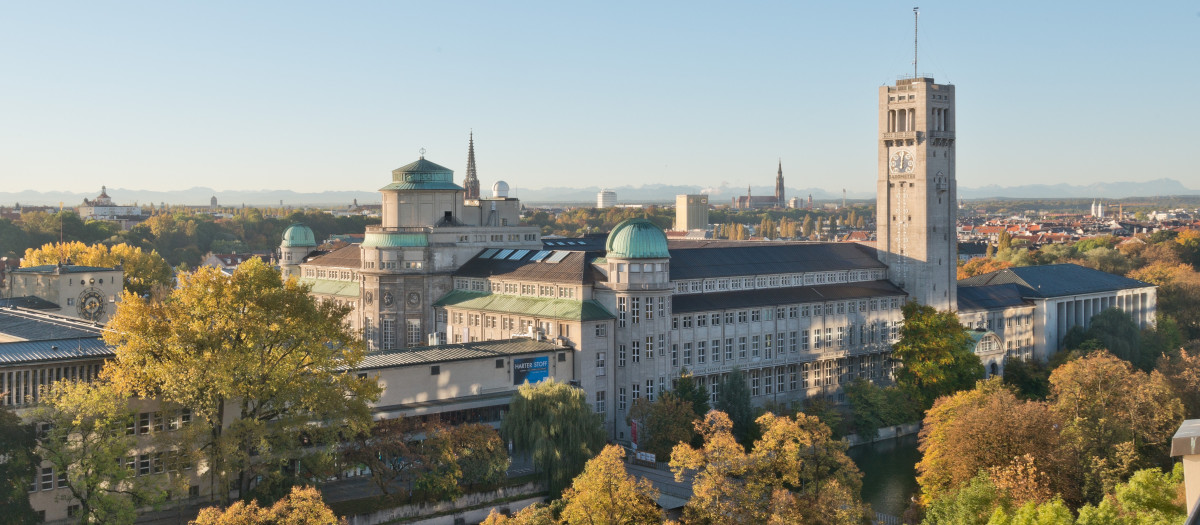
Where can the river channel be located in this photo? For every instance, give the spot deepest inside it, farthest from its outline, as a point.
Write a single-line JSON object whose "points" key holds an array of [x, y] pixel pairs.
{"points": [[889, 472]]}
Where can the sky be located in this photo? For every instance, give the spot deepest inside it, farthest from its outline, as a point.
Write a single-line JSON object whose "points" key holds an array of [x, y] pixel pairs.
{"points": [[315, 96]]}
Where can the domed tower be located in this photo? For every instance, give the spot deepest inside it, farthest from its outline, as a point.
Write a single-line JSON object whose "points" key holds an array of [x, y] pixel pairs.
{"points": [[298, 241], [639, 291]]}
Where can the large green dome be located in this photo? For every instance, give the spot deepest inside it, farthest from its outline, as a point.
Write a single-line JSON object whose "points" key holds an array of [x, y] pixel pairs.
{"points": [[422, 175], [637, 239], [298, 235]]}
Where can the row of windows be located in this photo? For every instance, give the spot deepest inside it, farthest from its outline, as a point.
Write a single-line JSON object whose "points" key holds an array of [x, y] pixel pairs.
{"points": [[639, 308], [18, 387], [322, 273], [387, 332], [776, 281], [766, 346], [395, 265], [532, 290], [784, 312]]}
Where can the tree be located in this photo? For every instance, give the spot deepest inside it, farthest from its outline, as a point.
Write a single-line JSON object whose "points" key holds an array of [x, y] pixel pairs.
{"points": [[1004, 241], [480, 453], [83, 435], [795, 474], [1115, 419], [1182, 372], [248, 345], [18, 465], [1178, 293], [1028, 379], [604, 494], [393, 451], [980, 266], [935, 353], [536, 514], [662, 423], [303, 506], [985, 428], [687, 390], [143, 270], [554, 422], [733, 399], [1115, 331], [873, 406]]}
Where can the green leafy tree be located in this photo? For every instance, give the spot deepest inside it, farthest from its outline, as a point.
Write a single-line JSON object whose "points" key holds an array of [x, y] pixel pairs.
{"points": [[1004, 241], [686, 389], [248, 345], [1028, 379], [733, 399], [663, 423], [393, 451], [605, 494], [935, 353], [555, 424], [84, 436], [18, 464], [873, 407], [13, 239]]}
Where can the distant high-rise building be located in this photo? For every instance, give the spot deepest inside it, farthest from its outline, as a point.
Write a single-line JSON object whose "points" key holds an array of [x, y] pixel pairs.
{"points": [[917, 190], [606, 198], [691, 212], [471, 182]]}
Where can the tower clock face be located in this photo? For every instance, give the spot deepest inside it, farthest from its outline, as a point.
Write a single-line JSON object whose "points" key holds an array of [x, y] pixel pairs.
{"points": [[902, 162], [91, 304]]}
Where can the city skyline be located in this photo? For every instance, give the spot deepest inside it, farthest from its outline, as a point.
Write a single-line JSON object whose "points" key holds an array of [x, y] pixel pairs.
{"points": [[315, 98]]}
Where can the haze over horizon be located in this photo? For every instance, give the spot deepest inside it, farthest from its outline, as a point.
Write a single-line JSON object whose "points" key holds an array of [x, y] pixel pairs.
{"points": [[321, 97]]}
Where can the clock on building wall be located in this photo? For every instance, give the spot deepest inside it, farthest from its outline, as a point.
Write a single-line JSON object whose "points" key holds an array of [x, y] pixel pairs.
{"points": [[387, 298], [902, 162], [414, 298], [91, 304]]}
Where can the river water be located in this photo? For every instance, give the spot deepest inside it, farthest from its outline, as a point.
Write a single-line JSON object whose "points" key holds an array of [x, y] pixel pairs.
{"points": [[889, 472]]}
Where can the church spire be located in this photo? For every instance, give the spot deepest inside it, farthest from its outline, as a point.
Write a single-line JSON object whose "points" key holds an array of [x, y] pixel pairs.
{"points": [[779, 186], [471, 183]]}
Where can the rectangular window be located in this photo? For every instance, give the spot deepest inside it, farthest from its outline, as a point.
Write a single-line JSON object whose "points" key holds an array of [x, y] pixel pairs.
{"points": [[47, 478], [599, 401], [621, 356], [635, 309], [635, 351], [414, 332], [662, 307], [389, 333], [728, 317], [621, 312], [687, 354], [792, 341], [649, 347], [701, 320], [601, 330], [621, 400], [701, 352], [755, 316], [687, 321], [650, 390], [729, 349], [636, 392], [754, 341], [715, 344], [754, 383], [714, 319], [649, 308], [841, 336], [741, 348], [767, 344], [768, 385], [674, 355], [144, 423], [741, 316]]}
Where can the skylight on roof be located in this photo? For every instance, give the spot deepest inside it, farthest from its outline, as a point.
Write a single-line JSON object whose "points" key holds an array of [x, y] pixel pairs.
{"points": [[518, 255], [503, 254], [487, 254], [540, 255], [558, 256]]}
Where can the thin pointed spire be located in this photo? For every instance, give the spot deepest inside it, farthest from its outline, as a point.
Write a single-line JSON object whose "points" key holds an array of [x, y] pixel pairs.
{"points": [[471, 183]]}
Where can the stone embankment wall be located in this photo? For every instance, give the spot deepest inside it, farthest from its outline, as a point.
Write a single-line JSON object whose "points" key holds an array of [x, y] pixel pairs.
{"points": [[471, 508]]}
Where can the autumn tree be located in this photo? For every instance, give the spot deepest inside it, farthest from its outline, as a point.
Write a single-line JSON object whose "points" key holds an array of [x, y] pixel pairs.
{"points": [[796, 473], [143, 269], [303, 506], [1116, 419], [251, 346], [18, 465], [393, 451], [554, 423], [980, 266], [1182, 372], [985, 428], [605, 494], [480, 453], [935, 354], [663, 422], [84, 437]]}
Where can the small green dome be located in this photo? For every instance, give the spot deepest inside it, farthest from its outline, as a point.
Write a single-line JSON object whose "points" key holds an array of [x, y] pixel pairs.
{"points": [[297, 236], [637, 239]]}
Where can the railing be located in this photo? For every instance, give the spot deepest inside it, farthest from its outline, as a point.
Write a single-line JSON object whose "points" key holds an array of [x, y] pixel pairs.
{"points": [[397, 229]]}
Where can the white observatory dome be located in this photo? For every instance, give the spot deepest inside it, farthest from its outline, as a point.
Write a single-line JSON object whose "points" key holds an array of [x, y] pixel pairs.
{"points": [[500, 190]]}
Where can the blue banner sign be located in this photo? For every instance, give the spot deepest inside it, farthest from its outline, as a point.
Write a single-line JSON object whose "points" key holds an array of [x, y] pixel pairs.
{"points": [[532, 369]]}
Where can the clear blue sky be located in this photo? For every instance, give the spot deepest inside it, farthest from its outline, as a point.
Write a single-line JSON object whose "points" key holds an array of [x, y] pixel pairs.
{"points": [[316, 96]]}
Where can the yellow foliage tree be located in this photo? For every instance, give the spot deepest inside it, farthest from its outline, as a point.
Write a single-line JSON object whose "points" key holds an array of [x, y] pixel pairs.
{"points": [[606, 495], [143, 270], [303, 506]]}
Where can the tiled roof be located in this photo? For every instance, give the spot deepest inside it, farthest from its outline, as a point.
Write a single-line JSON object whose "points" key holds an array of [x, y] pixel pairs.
{"points": [[30, 302], [22, 352], [588, 310], [971, 298], [38, 326], [1055, 280], [778, 296], [770, 258], [66, 268], [455, 352], [348, 256], [571, 267]]}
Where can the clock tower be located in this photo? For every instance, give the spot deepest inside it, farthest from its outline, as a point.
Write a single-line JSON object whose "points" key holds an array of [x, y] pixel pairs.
{"points": [[916, 197]]}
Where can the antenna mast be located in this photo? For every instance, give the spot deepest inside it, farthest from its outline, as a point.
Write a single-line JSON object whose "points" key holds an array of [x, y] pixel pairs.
{"points": [[916, 15]]}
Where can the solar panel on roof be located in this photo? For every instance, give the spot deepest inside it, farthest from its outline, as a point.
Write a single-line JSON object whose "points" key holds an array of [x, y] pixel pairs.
{"points": [[487, 254], [558, 256], [518, 255], [540, 255], [503, 254]]}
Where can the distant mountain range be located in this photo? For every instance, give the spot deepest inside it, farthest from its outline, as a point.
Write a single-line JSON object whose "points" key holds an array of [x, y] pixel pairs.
{"points": [[199, 196]]}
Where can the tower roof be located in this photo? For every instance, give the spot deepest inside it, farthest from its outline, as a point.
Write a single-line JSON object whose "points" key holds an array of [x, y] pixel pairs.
{"points": [[298, 236], [422, 175], [637, 239]]}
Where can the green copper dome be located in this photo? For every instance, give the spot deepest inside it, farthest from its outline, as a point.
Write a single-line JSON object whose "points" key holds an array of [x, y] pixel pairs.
{"points": [[422, 175], [637, 239], [298, 235]]}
